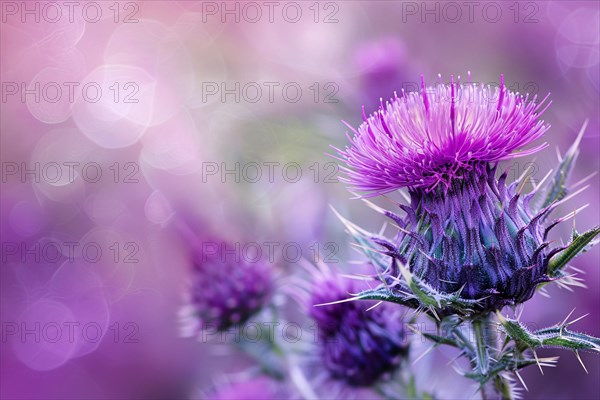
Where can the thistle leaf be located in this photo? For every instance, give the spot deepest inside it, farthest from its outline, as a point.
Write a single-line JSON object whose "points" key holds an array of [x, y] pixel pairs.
{"points": [[364, 242], [373, 253], [438, 340], [414, 293], [556, 336], [385, 294], [429, 297], [562, 337], [517, 332], [557, 187], [506, 363], [579, 243]]}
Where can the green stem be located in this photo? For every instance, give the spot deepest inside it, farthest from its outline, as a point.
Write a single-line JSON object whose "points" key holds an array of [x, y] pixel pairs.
{"points": [[267, 352], [407, 380], [403, 383], [482, 344], [496, 388]]}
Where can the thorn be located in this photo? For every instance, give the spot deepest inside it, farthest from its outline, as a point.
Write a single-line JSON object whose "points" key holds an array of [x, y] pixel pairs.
{"points": [[406, 274], [570, 196], [525, 176], [590, 176], [580, 134], [352, 228], [581, 361], [549, 362], [500, 317], [580, 271], [454, 359], [578, 319], [360, 246], [357, 277], [520, 311], [537, 361], [458, 370], [560, 159], [541, 182], [432, 310], [383, 228], [564, 323], [372, 205], [573, 213], [522, 381], [388, 198], [459, 291], [415, 330], [423, 355], [544, 293], [337, 302], [418, 312], [375, 305]]}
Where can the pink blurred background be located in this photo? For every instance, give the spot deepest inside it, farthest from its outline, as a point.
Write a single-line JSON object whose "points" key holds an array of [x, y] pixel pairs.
{"points": [[114, 116]]}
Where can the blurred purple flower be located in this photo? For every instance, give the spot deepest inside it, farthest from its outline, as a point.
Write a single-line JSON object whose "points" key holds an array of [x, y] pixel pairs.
{"points": [[357, 345], [381, 65], [226, 288]]}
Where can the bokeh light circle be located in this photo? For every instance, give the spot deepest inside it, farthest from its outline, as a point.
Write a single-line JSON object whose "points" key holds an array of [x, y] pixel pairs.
{"points": [[115, 105]]}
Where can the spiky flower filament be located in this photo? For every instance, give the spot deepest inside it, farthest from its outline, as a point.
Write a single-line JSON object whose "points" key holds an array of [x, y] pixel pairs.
{"points": [[427, 139]]}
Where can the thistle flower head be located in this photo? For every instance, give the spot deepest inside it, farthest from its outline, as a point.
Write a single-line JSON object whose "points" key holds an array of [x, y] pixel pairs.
{"points": [[227, 290], [468, 241], [423, 140], [357, 345]]}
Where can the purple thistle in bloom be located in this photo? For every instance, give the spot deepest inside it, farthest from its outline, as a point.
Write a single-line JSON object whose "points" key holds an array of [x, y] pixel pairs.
{"points": [[423, 140], [227, 290], [468, 242], [358, 344]]}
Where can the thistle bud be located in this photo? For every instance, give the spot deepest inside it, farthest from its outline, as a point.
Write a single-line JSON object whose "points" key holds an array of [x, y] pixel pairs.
{"points": [[357, 345], [226, 290]]}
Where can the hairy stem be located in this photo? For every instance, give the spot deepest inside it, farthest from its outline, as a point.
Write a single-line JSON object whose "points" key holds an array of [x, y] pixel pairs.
{"points": [[496, 388], [482, 338]]}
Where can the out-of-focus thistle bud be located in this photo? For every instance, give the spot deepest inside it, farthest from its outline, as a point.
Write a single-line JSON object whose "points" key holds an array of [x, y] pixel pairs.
{"points": [[468, 242], [358, 343], [227, 292]]}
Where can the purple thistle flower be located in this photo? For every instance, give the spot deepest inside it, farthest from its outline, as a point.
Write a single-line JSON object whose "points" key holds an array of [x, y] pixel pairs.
{"points": [[422, 140], [479, 237], [227, 290], [357, 345], [468, 242]]}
